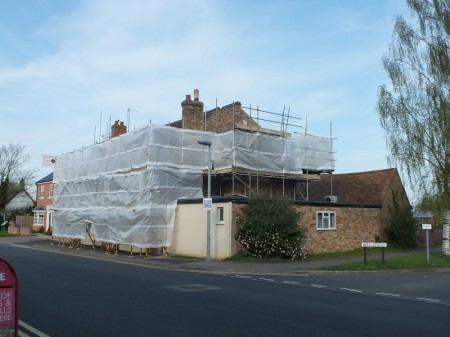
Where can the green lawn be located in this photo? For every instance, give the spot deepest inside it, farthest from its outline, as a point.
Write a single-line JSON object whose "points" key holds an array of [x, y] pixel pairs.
{"points": [[4, 234], [313, 257], [415, 261]]}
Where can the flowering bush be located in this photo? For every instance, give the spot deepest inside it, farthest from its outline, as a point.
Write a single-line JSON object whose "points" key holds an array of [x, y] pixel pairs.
{"points": [[269, 228]]}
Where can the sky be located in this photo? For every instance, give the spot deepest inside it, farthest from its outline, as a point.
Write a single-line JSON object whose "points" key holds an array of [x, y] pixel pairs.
{"points": [[66, 65]]}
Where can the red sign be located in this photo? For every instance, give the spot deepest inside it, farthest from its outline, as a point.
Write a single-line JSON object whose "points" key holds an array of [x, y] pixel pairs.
{"points": [[8, 300]]}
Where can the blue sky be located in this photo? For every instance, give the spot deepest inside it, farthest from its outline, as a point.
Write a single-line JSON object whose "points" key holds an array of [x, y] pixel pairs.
{"points": [[63, 63]]}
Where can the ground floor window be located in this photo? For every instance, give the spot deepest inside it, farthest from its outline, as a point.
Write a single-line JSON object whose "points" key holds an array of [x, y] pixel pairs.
{"points": [[325, 220], [39, 218], [220, 215]]}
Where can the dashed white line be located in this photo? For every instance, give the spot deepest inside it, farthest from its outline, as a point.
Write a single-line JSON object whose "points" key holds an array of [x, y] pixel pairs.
{"points": [[428, 299], [351, 290], [289, 282], [317, 285], [242, 276], [387, 294], [266, 279]]}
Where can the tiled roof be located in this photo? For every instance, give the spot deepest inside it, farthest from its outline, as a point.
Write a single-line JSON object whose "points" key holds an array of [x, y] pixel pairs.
{"points": [[368, 187], [46, 179]]}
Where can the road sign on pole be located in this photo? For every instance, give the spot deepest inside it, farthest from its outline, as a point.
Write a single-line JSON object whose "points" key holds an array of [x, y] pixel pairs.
{"points": [[426, 227], [8, 300]]}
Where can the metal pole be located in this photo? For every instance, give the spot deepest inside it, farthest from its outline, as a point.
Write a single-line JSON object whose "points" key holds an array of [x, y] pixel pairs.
{"points": [[428, 246], [365, 256], [208, 215], [208, 212]]}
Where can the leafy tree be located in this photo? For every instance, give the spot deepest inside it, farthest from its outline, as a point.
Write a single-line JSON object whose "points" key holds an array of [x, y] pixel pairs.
{"points": [[270, 228], [401, 230], [415, 110]]}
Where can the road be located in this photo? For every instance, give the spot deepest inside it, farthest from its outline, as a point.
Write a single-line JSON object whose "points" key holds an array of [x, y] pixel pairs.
{"points": [[62, 295]]}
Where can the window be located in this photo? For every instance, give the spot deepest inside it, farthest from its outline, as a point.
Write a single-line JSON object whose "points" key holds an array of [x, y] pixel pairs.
{"points": [[42, 191], [325, 220], [50, 191], [220, 215], [39, 218]]}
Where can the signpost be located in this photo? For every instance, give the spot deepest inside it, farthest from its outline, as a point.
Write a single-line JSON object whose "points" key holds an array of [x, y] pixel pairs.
{"points": [[426, 227], [8, 300], [381, 245]]}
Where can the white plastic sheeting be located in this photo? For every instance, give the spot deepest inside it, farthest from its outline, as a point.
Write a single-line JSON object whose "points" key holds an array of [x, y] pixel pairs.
{"points": [[271, 153], [126, 189]]}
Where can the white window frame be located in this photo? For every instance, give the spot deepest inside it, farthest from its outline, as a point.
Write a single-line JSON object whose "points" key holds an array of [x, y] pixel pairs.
{"points": [[50, 191], [325, 220], [38, 218], [220, 215], [42, 192]]}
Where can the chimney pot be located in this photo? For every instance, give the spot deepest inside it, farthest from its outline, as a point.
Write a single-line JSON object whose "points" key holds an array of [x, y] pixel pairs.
{"points": [[196, 92], [188, 97]]}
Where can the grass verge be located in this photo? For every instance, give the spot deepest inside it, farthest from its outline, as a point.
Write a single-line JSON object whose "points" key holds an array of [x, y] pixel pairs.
{"points": [[4, 234], [312, 257], [414, 261]]}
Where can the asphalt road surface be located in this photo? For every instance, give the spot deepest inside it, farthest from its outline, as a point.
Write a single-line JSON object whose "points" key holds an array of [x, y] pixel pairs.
{"points": [[65, 296]]}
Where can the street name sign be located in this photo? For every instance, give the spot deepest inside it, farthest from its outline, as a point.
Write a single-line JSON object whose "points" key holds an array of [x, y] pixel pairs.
{"points": [[374, 244]]}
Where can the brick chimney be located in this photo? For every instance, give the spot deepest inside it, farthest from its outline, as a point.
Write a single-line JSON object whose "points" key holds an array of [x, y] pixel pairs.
{"points": [[118, 129], [192, 112]]}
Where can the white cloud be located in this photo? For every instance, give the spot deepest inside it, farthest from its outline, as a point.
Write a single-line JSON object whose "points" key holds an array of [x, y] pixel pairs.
{"points": [[106, 57]]}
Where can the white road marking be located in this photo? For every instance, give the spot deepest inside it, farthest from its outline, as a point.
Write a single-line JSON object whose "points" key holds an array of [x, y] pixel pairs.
{"points": [[351, 290], [289, 282], [387, 294], [317, 285], [33, 330], [242, 276], [266, 279], [428, 299]]}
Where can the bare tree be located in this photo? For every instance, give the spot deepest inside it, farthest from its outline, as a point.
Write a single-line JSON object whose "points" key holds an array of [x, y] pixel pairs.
{"points": [[12, 160]]}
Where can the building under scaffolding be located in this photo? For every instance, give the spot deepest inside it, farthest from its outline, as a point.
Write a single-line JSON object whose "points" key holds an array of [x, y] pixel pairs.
{"points": [[125, 190]]}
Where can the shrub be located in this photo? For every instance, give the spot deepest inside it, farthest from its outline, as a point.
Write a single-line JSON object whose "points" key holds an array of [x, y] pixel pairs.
{"points": [[401, 230], [269, 228]]}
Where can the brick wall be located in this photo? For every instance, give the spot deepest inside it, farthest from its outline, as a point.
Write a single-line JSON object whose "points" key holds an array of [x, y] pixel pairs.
{"points": [[45, 200], [353, 226], [215, 120]]}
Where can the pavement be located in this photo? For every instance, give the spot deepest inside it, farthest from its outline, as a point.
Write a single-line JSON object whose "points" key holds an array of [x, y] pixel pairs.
{"points": [[44, 242]]}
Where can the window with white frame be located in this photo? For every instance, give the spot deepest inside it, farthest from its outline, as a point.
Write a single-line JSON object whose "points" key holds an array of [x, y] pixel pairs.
{"points": [[50, 191], [325, 220], [220, 215], [39, 218], [42, 191]]}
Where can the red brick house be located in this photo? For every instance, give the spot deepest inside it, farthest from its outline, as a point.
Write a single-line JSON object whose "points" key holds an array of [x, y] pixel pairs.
{"points": [[344, 210], [43, 213]]}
